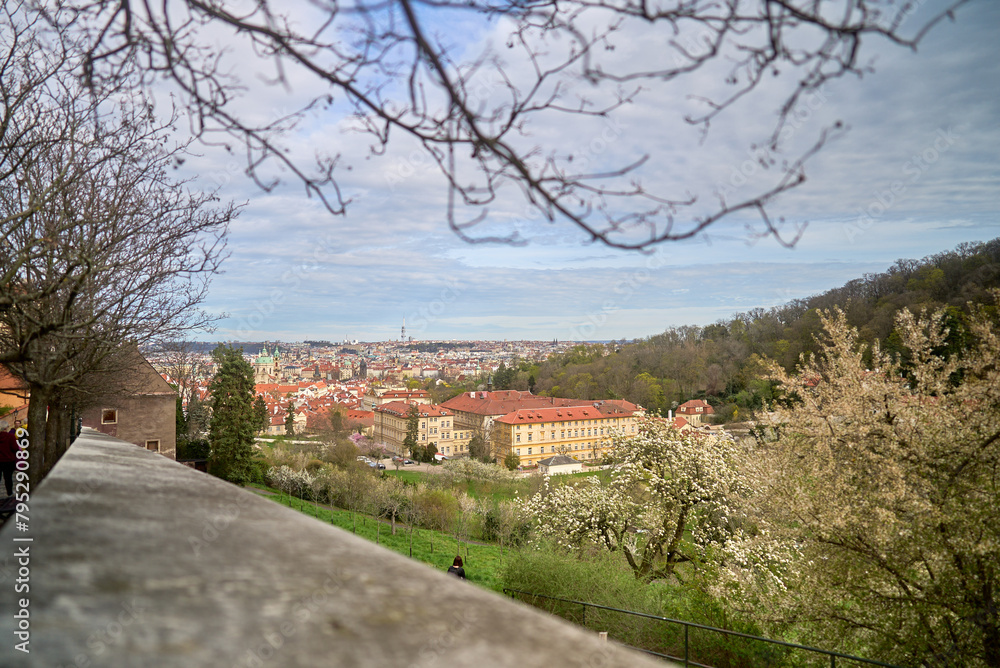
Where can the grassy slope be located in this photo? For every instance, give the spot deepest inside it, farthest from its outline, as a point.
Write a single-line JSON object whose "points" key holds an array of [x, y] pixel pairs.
{"points": [[482, 562]]}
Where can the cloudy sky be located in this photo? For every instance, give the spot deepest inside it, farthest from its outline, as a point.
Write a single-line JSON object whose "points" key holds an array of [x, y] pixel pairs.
{"points": [[916, 172]]}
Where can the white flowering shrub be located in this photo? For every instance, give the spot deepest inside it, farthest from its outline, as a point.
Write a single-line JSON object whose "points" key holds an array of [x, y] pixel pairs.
{"points": [[668, 501], [290, 481], [882, 487], [469, 469]]}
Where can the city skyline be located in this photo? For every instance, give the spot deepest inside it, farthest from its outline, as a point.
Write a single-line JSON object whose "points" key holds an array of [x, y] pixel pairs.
{"points": [[915, 174]]}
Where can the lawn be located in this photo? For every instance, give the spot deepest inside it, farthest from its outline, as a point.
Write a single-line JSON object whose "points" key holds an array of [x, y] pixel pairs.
{"points": [[482, 562], [407, 476]]}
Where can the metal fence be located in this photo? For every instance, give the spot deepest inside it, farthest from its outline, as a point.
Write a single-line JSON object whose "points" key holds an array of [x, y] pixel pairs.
{"points": [[688, 626]]}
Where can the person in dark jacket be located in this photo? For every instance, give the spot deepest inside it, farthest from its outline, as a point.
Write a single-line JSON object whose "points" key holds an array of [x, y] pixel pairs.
{"points": [[456, 568], [8, 458]]}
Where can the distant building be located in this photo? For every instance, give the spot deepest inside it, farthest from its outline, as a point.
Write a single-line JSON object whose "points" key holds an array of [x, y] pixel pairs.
{"points": [[581, 432], [143, 412], [436, 425], [693, 411], [377, 396], [14, 395], [559, 464], [266, 366]]}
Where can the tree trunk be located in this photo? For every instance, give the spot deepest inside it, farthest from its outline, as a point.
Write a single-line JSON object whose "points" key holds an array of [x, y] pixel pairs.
{"points": [[56, 435], [37, 408]]}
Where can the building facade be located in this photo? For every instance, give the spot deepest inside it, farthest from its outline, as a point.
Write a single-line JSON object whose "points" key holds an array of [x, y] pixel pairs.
{"points": [[436, 425], [580, 432], [143, 412]]}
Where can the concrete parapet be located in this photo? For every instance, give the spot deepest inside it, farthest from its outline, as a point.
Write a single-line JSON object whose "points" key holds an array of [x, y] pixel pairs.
{"points": [[136, 560]]}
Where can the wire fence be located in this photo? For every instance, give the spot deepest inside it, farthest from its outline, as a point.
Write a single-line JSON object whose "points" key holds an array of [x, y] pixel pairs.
{"points": [[687, 642]]}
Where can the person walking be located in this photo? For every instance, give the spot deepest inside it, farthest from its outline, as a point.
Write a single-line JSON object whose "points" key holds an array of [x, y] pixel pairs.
{"points": [[8, 458]]}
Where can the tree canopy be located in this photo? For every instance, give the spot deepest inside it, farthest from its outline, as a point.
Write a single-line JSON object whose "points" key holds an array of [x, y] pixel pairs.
{"points": [[884, 481], [103, 250], [234, 419], [481, 113], [666, 501]]}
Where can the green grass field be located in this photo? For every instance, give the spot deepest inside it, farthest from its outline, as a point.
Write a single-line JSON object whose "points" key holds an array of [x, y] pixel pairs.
{"points": [[407, 476], [482, 562]]}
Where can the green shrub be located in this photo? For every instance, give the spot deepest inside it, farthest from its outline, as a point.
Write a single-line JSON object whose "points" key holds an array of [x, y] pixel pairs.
{"points": [[604, 579]]}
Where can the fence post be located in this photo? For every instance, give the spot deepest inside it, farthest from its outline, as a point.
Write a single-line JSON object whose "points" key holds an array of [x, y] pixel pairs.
{"points": [[584, 615], [833, 661], [686, 627]]}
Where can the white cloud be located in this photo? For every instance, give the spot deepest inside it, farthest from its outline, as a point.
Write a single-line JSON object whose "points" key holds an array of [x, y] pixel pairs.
{"points": [[298, 272]]}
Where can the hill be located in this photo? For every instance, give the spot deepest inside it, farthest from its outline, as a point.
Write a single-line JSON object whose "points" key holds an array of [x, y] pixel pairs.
{"points": [[722, 362]]}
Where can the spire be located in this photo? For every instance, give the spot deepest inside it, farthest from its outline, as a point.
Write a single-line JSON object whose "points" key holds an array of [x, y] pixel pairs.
{"points": [[402, 333]]}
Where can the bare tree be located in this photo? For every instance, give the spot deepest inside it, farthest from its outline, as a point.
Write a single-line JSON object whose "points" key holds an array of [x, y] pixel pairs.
{"points": [[101, 248], [476, 115]]}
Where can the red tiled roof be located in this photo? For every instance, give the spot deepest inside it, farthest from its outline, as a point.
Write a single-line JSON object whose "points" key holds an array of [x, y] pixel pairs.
{"points": [[560, 414], [691, 408], [502, 403], [403, 409]]}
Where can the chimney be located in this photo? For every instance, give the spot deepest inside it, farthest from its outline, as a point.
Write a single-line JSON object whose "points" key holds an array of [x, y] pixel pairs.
{"points": [[670, 414]]}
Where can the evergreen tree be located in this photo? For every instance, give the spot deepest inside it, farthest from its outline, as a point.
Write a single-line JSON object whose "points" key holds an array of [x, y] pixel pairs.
{"points": [[180, 422], [511, 461], [479, 448], [231, 431], [290, 421], [412, 430], [429, 452], [263, 419], [198, 418]]}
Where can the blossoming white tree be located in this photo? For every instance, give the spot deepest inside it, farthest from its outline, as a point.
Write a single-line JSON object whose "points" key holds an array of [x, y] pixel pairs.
{"points": [[668, 501], [889, 486]]}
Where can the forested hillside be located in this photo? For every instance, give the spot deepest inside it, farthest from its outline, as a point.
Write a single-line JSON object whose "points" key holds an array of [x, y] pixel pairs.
{"points": [[722, 362]]}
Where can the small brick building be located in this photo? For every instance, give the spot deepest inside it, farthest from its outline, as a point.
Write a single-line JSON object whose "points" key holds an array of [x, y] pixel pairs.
{"points": [[143, 414]]}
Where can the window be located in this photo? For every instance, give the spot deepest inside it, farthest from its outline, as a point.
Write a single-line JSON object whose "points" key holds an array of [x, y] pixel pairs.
{"points": [[109, 416], [518, 438], [529, 435], [519, 451], [529, 451], [153, 445], [553, 435]]}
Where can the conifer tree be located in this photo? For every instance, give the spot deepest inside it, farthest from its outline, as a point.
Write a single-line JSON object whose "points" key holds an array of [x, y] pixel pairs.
{"points": [[231, 431], [290, 421], [262, 417], [412, 429]]}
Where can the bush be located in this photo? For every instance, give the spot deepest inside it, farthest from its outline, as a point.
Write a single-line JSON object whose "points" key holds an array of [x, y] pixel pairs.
{"points": [[604, 579], [436, 508], [194, 449]]}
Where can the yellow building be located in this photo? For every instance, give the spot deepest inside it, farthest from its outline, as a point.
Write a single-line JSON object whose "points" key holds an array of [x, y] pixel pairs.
{"points": [[436, 425], [580, 432]]}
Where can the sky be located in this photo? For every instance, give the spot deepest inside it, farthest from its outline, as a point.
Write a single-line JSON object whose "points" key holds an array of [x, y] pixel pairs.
{"points": [[916, 172]]}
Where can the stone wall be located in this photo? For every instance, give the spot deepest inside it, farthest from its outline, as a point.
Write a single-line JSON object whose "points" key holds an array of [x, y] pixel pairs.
{"points": [[141, 420], [136, 560]]}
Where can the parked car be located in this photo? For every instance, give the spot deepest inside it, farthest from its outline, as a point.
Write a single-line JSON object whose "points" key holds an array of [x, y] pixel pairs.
{"points": [[408, 461]]}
